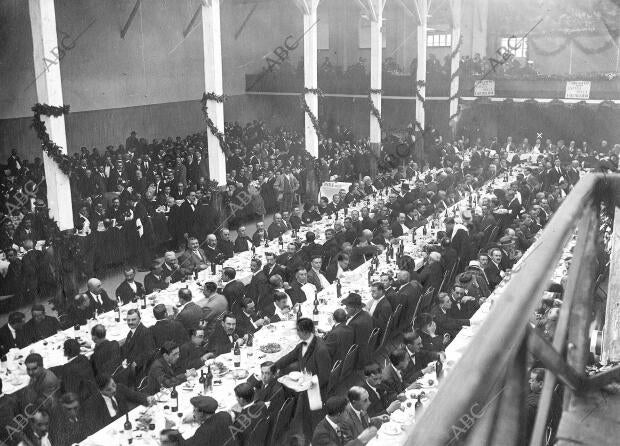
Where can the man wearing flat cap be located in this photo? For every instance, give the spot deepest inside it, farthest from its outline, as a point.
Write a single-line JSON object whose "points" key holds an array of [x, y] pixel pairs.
{"points": [[214, 427]]}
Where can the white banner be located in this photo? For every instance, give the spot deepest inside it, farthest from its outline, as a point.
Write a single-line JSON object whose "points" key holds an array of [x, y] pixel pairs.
{"points": [[577, 90], [484, 87]]}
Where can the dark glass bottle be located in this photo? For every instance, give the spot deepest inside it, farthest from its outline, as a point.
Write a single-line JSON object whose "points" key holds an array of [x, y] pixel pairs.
{"points": [[208, 385], [202, 378], [213, 268], [418, 404], [128, 428], [174, 396], [439, 369], [237, 355], [338, 289]]}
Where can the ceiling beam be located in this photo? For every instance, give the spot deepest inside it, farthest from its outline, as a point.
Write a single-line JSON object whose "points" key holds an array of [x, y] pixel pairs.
{"points": [[132, 14]]}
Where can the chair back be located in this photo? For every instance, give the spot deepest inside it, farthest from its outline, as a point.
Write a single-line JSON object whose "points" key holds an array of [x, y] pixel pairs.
{"points": [[334, 377], [350, 359], [389, 327], [398, 312], [373, 340], [281, 422], [258, 435]]}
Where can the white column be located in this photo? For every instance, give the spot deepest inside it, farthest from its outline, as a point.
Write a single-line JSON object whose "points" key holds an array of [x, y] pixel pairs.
{"points": [[49, 91], [309, 9], [212, 43], [480, 27], [455, 6], [375, 10], [422, 9]]}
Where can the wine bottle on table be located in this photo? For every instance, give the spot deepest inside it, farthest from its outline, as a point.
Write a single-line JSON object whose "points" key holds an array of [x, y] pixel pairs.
{"points": [[213, 267], [202, 378], [128, 429], [418, 404], [338, 289], [174, 397], [299, 315], [143, 305], [237, 355], [208, 385]]}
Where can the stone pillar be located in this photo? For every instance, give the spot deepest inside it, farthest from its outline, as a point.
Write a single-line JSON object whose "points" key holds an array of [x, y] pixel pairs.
{"points": [[49, 91], [422, 12], [212, 46]]}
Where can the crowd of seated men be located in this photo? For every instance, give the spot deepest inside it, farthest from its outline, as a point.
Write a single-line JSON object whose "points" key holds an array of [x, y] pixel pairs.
{"points": [[462, 268]]}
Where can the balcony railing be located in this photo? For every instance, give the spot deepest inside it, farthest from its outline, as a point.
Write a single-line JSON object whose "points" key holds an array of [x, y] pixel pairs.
{"points": [[436, 86], [482, 400]]}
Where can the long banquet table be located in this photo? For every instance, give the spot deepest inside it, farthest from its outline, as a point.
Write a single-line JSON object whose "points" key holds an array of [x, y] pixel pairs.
{"points": [[283, 333]]}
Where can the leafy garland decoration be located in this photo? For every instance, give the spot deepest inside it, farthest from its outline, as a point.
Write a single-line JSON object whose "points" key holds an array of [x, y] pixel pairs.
{"points": [[420, 84], [456, 50], [607, 104], [65, 163], [306, 108], [374, 110], [604, 47], [210, 124]]}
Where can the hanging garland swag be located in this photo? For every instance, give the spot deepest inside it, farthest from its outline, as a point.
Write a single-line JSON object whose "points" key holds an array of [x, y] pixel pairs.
{"points": [[212, 127], [604, 47]]}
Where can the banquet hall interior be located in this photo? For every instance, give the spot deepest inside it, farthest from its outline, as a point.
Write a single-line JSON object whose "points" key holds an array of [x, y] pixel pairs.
{"points": [[309, 222]]}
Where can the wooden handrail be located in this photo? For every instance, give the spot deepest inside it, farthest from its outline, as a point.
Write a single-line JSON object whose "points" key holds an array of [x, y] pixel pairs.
{"points": [[504, 329]]}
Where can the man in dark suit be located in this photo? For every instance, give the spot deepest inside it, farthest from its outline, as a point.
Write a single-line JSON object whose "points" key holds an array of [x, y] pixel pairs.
{"points": [[310, 354], [129, 290], [111, 402], [68, 423], [459, 241], [268, 389], [155, 279], [291, 260], [493, 270], [193, 353], [40, 326], [138, 347], [393, 374], [258, 289], [418, 364], [106, 356], [214, 427], [225, 244], [332, 431], [224, 336], [171, 270], [99, 297], [431, 274], [76, 374], [12, 333], [297, 295], [362, 324], [189, 313], [163, 372], [272, 268], [31, 269], [355, 417], [277, 228], [165, 329], [463, 306], [251, 413], [380, 403], [234, 290], [243, 242], [248, 319], [380, 309], [335, 269], [340, 338], [444, 319], [408, 296], [187, 216]]}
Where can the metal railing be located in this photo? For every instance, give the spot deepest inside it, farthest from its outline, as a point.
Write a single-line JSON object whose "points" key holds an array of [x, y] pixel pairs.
{"points": [[482, 400]]}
